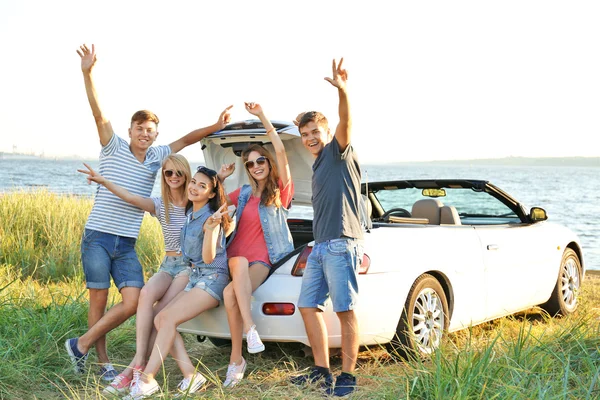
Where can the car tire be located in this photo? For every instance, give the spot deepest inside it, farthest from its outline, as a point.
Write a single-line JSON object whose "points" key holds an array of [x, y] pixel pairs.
{"points": [[423, 321], [218, 342], [563, 300]]}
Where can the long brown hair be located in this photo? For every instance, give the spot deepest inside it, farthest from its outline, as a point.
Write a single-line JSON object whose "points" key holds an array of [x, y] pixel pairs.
{"points": [[270, 195], [180, 164], [219, 198]]}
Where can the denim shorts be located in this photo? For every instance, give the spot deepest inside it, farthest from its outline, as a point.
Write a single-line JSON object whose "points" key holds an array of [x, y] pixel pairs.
{"points": [[332, 271], [104, 255], [175, 266], [209, 280]]}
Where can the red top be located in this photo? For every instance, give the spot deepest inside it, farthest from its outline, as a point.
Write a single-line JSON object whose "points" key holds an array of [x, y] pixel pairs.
{"points": [[249, 240]]}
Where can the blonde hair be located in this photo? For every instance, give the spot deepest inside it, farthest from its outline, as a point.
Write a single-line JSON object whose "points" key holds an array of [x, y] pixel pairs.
{"points": [[270, 195], [179, 164]]}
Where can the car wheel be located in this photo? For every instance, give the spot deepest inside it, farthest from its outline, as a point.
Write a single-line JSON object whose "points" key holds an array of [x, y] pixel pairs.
{"points": [[218, 342], [423, 321], [563, 300]]}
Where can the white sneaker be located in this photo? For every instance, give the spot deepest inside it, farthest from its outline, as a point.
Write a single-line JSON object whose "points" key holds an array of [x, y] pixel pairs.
{"points": [[255, 345], [189, 386], [141, 390], [235, 373]]}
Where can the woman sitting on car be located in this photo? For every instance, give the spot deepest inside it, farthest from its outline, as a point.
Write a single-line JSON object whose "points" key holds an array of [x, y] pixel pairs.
{"points": [[262, 237]]}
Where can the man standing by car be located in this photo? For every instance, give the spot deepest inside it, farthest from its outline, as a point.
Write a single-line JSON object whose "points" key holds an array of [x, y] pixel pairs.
{"points": [[333, 265], [107, 247]]}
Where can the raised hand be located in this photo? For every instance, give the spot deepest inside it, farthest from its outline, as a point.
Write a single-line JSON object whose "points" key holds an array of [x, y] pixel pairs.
{"points": [[92, 176], [340, 75], [299, 118], [224, 118], [226, 171], [254, 108], [215, 220], [88, 58]]}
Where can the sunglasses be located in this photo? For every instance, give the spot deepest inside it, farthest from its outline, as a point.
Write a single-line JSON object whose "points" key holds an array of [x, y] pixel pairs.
{"points": [[169, 173], [207, 171], [259, 161]]}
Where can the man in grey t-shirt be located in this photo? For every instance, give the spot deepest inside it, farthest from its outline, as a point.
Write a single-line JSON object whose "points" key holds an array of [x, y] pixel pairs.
{"points": [[333, 264]]}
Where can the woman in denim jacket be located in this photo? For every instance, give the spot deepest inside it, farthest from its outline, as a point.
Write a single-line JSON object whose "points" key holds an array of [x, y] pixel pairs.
{"points": [[203, 244], [262, 238]]}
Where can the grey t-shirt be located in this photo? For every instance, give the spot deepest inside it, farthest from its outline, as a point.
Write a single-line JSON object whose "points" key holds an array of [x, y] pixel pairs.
{"points": [[336, 194]]}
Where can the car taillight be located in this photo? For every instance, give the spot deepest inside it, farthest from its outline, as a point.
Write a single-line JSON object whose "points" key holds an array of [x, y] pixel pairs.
{"points": [[278, 309], [300, 264]]}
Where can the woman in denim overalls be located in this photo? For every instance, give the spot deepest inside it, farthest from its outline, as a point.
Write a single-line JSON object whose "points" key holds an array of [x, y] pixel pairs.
{"points": [[262, 238], [203, 244]]}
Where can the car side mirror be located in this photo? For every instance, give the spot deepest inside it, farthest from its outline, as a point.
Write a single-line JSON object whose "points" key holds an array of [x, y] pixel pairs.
{"points": [[537, 214]]}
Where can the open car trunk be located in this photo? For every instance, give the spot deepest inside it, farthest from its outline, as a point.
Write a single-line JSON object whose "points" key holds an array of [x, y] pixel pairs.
{"points": [[227, 145]]}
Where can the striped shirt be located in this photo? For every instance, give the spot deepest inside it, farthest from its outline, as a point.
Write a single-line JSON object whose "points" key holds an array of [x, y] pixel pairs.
{"points": [[110, 214], [172, 230]]}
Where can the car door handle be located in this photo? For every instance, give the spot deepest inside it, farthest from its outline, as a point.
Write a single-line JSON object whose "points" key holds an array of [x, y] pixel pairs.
{"points": [[493, 247]]}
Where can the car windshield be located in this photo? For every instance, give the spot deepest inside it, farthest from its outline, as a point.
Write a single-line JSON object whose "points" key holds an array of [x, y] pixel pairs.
{"points": [[473, 207]]}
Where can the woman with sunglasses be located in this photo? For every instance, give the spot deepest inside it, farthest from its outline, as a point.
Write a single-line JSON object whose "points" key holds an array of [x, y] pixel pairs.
{"points": [[173, 275], [261, 238], [202, 243]]}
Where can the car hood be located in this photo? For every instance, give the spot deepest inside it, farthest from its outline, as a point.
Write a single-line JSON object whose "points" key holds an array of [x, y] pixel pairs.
{"points": [[226, 146]]}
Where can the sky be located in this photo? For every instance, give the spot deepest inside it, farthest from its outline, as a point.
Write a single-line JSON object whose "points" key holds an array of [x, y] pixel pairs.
{"points": [[428, 80]]}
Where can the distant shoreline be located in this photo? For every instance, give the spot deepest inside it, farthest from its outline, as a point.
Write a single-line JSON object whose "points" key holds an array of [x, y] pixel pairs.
{"points": [[505, 161], [510, 161]]}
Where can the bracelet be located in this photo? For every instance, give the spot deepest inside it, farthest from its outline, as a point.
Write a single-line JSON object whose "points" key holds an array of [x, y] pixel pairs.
{"points": [[272, 129]]}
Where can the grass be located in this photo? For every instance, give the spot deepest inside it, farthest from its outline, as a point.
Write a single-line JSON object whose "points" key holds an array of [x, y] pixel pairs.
{"points": [[521, 357]]}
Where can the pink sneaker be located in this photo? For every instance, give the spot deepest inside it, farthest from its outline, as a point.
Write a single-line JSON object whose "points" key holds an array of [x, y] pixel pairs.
{"points": [[255, 345], [118, 386]]}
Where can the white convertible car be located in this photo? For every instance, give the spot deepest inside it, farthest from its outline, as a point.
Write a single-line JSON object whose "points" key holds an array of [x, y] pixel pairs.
{"points": [[442, 255]]}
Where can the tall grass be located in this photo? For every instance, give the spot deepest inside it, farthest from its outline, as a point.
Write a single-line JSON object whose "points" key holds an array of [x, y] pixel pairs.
{"points": [[40, 234], [43, 301]]}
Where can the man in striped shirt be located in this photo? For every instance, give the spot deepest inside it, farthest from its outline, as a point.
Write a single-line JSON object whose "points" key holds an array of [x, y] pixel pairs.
{"points": [[107, 246]]}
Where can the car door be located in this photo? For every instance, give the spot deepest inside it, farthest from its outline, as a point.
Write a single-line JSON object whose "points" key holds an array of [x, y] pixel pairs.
{"points": [[512, 263]]}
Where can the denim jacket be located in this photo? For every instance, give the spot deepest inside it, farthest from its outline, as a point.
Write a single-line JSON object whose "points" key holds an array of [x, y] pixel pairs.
{"points": [[192, 237], [273, 221]]}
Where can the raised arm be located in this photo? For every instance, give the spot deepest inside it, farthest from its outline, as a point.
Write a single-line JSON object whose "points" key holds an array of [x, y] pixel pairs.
{"points": [[212, 227], [199, 134], [145, 203], [343, 132], [283, 166], [88, 60]]}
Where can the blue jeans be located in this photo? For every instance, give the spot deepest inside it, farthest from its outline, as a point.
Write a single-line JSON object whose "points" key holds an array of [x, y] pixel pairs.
{"points": [[175, 266], [332, 271], [209, 280], [104, 255]]}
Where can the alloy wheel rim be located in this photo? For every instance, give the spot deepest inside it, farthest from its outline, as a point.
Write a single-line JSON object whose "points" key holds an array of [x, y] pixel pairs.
{"points": [[428, 321], [570, 283]]}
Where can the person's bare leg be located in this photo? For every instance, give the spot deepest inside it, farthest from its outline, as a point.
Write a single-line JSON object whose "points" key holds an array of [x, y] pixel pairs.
{"points": [[182, 358], [234, 301], [98, 300], [152, 291], [185, 306], [317, 335], [114, 317], [350, 340]]}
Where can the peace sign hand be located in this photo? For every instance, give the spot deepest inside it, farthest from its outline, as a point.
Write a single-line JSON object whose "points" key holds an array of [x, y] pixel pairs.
{"points": [[226, 171], [340, 75], [92, 176], [215, 220]]}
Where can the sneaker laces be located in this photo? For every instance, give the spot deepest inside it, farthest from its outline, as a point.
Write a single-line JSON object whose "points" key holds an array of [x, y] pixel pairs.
{"points": [[137, 373], [184, 384], [253, 337], [117, 380]]}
